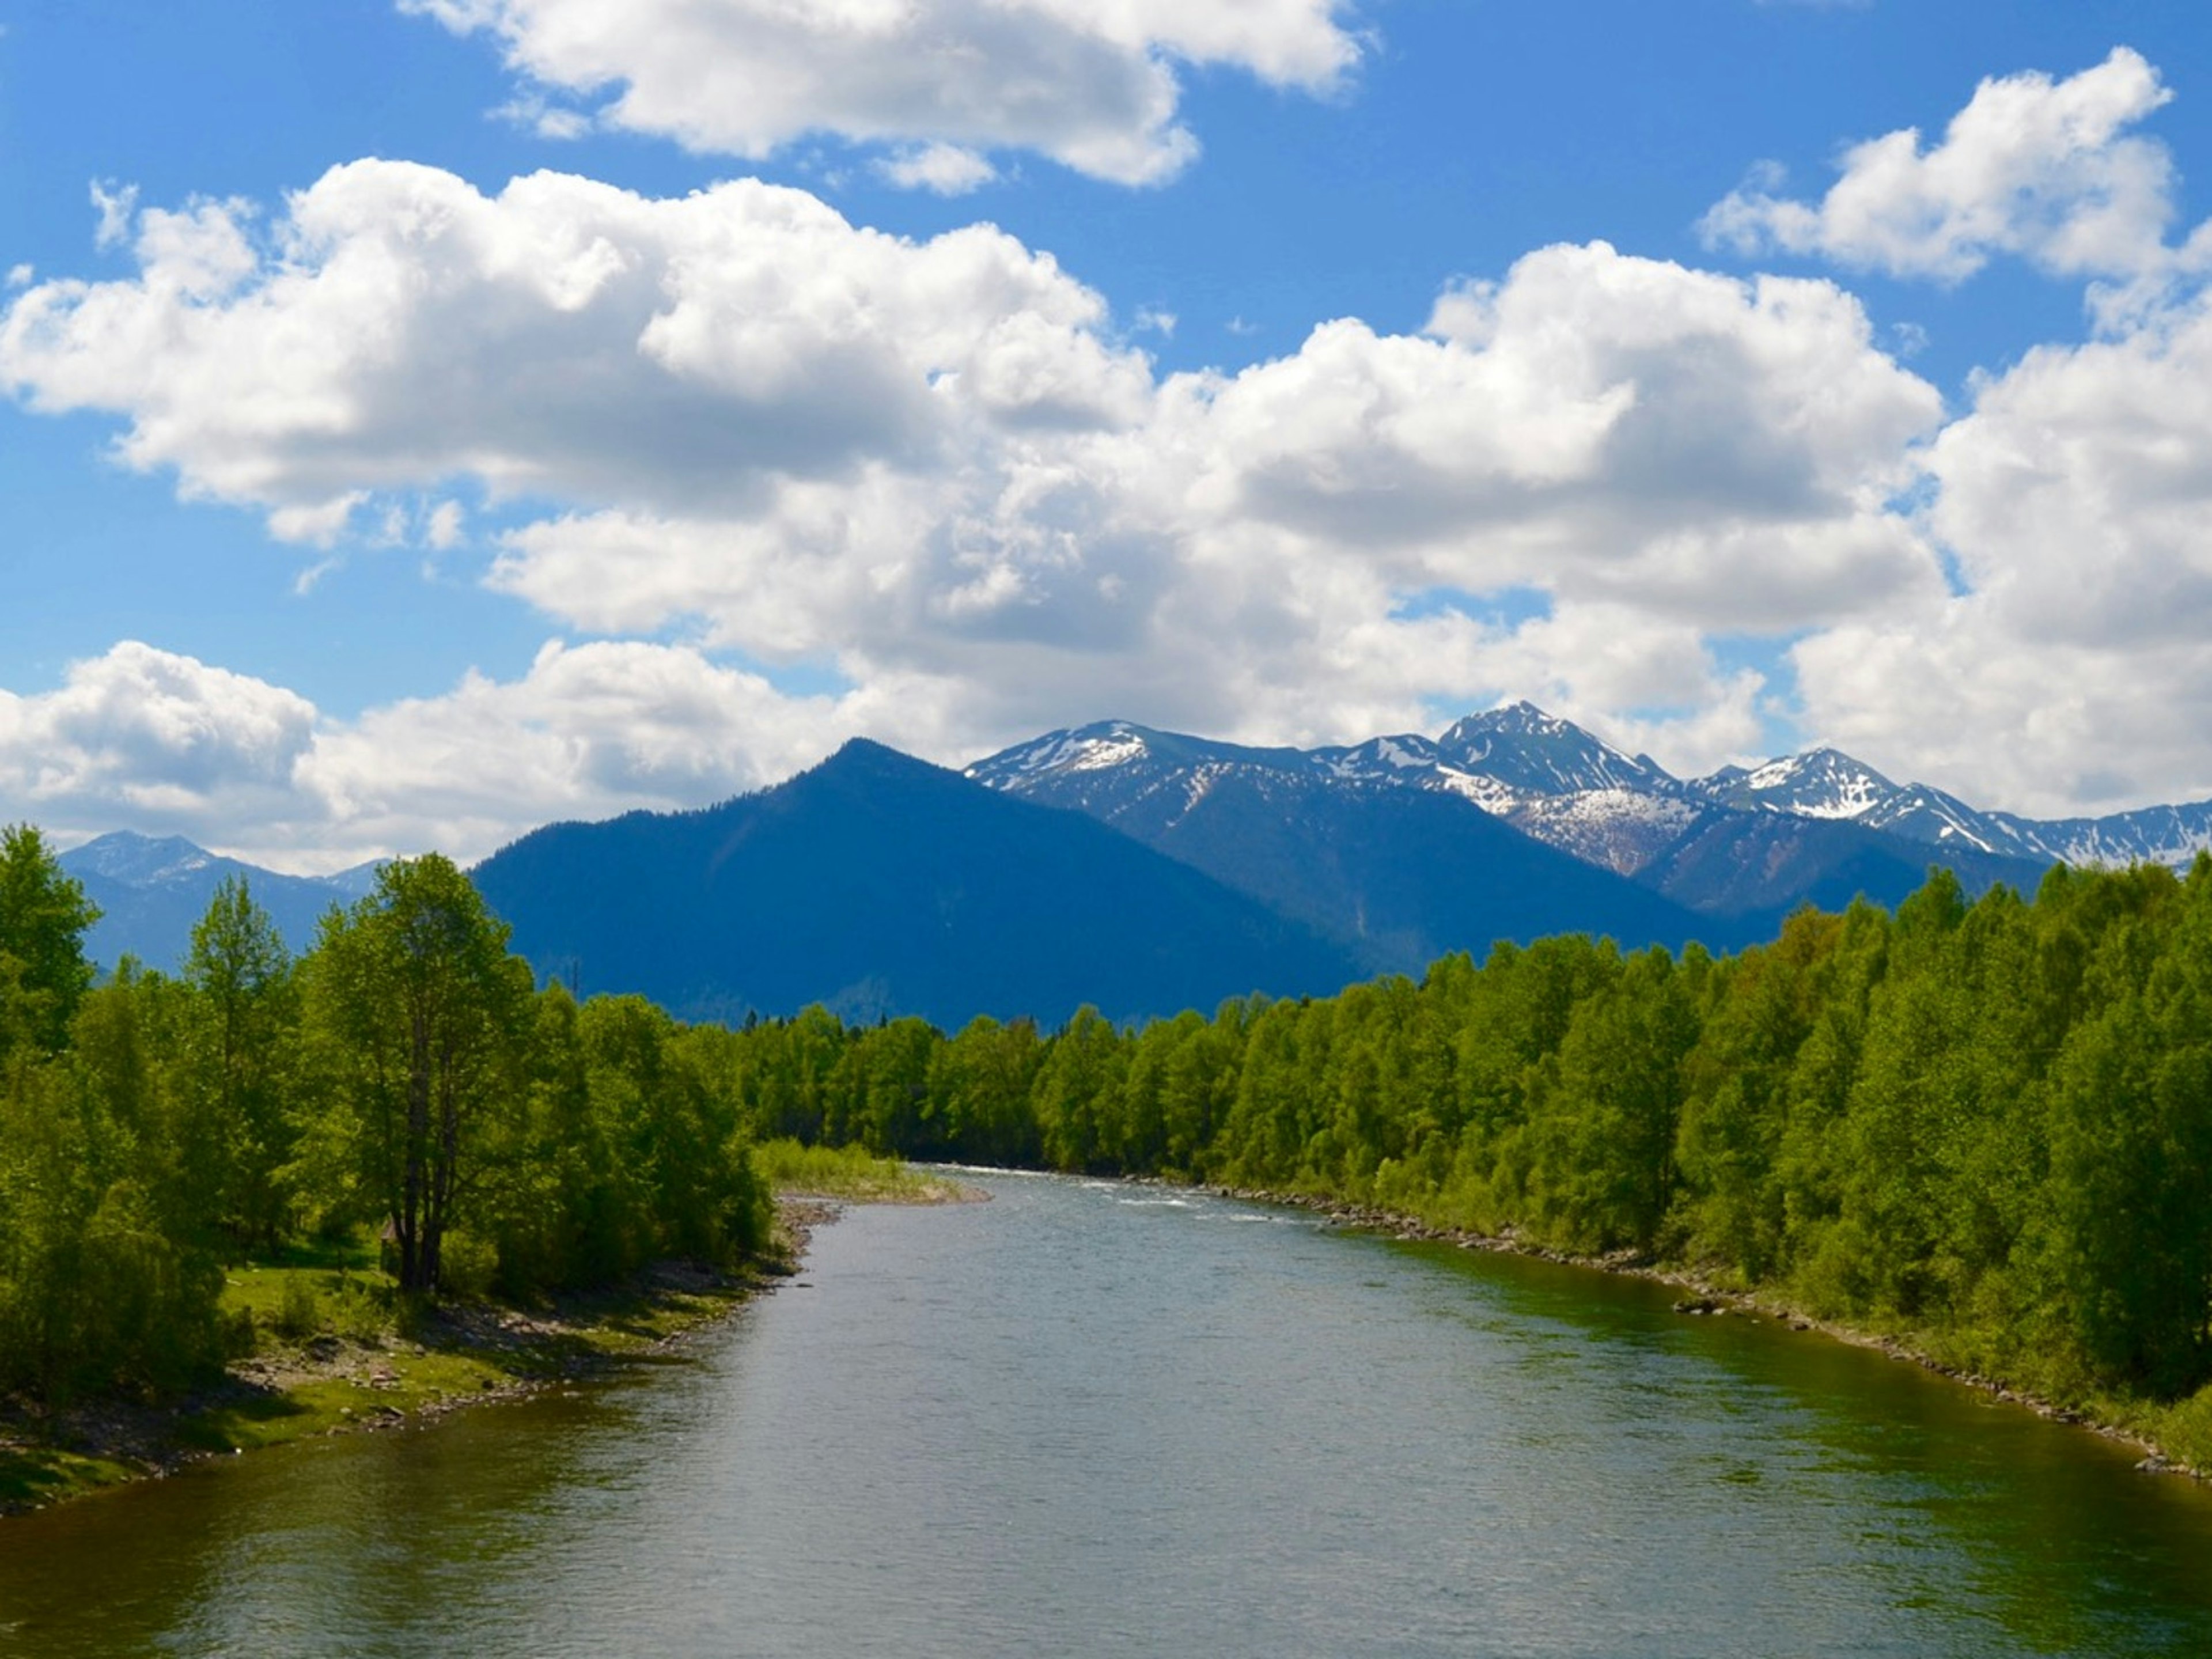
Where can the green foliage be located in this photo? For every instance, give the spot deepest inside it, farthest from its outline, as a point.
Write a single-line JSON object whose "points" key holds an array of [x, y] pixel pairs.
{"points": [[44, 914], [977, 1099], [1078, 1091], [405, 1077], [415, 1015], [240, 1067], [848, 1172], [300, 1316], [1989, 1126]]}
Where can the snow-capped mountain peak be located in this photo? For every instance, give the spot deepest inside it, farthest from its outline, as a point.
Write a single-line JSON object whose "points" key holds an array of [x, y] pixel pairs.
{"points": [[1820, 783], [1546, 775], [1533, 753], [139, 860], [1563, 785], [1093, 748]]}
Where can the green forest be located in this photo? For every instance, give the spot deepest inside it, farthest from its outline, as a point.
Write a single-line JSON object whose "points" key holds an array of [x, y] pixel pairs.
{"points": [[1985, 1127], [404, 1077]]}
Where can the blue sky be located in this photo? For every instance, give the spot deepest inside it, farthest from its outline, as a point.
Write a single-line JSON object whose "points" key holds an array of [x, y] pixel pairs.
{"points": [[1278, 369]]}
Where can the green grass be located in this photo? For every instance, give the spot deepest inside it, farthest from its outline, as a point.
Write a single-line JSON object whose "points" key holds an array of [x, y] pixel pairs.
{"points": [[2182, 1428], [324, 1342], [296, 1304], [33, 1476], [848, 1172], [377, 1383]]}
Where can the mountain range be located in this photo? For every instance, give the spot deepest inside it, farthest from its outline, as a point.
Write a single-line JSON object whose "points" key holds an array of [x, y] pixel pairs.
{"points": [[879, 884], [1345, 840], [1739, 848], [1146, 871], [1559, 784], [152, 891]]}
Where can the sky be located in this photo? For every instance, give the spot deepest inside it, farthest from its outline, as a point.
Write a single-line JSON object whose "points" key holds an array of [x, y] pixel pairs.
{"points": [[421, 420]]}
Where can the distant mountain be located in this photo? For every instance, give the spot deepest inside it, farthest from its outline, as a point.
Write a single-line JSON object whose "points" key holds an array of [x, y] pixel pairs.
{"points": [[2171, 835], [1525, 752], [1399, 875], [1826, 784], [1546, 777], [1820, 783], [1738, 846], [882, 886], [152, 891], [1755, 868]]}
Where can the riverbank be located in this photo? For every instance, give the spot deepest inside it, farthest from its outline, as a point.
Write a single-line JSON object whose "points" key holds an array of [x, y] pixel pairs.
{"points": [[852, 1175], [357, 1374], [2131, 1424], [337, 1352]]}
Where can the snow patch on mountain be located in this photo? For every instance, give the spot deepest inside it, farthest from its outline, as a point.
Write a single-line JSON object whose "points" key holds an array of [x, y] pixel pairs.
{"points": [[1822, 783], [1621, 830], [1492, 796], [1090, 749], [2171, 835]]}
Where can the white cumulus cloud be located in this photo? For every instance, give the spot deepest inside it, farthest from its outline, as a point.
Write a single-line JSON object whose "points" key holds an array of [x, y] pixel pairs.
{"points": [[945, 169], [145, 738], [587, 732], [2044, 170], [1607, 426], [395, 328], [1660, 450], [1091, 83], [2075, 669], [937, 476]]}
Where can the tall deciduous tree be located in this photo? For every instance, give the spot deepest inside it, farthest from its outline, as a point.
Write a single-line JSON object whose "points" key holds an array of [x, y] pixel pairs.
{"points": [[243, 1010], [421, 1015]]}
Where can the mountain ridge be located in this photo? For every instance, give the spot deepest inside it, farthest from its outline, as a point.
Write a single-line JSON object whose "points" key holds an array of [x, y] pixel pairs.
{"points": [[1564, 785], [153, 890], [1377, 857], [880, 885]]}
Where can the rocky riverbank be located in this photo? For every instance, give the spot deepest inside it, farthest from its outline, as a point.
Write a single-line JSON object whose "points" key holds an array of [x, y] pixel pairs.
{"points": [[1703, 1299]]}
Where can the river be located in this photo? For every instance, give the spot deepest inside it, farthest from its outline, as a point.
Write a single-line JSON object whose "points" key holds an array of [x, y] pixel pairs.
{"points": [[1088, 1417]]}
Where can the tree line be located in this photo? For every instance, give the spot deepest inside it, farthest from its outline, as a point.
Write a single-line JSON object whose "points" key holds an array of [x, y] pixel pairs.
{"points": [[404, 1076], [1988, 1125]]}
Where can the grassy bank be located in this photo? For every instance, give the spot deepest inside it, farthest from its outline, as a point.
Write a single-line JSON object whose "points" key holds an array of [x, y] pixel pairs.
{"points": [[325, 1344], [853, 1175]]}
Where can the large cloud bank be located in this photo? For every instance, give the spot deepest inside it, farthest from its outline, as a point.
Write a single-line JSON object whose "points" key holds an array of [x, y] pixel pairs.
{"points": [[937, 466], [735, 443]]}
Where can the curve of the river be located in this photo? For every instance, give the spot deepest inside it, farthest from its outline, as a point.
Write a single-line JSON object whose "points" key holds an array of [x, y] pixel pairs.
{"points": [[1088, 1417]]}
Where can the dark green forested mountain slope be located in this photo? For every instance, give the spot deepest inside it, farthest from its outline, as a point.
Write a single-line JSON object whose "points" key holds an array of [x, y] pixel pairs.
{"points": [[1746, 871], [1403, 876], [877, 883]]}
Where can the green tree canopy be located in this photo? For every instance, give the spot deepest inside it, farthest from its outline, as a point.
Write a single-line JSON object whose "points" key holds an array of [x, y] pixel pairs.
{"points": [[420, 1014], [44, 914]]}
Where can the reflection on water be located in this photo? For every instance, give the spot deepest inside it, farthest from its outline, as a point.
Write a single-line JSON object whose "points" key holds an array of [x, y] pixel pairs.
{"points": [[1092, 1419]]}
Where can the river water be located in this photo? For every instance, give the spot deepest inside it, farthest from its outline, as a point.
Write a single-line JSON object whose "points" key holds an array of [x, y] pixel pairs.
{"points": [[1092, 1419]]}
